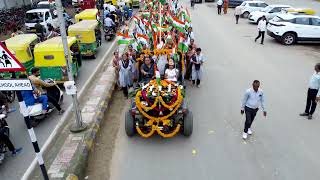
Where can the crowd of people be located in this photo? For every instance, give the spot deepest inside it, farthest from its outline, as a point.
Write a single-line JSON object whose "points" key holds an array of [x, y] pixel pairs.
{"points": [[162, 40]]}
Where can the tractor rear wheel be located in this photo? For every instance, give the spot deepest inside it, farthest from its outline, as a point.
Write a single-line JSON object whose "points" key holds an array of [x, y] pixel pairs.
{"points": [[188, 124], [129, 124]]}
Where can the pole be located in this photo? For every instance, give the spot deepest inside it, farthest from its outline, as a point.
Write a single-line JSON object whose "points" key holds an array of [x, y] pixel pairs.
{"points": [[32, 135], [78, 126], [160, 7]]}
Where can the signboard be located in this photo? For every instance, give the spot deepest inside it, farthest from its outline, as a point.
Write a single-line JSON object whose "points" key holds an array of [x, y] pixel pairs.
{"points": [[8, 62], [15, 85]]}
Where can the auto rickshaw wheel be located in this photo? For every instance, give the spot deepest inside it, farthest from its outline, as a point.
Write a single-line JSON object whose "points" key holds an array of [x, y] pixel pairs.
{"points": [[188, 124], [129, 124]]}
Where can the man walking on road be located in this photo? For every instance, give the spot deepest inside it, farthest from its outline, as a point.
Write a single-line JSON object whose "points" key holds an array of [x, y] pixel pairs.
{"points": [[219, 5], [237, 13], [252, 99], [313, 93], [262, 27]]}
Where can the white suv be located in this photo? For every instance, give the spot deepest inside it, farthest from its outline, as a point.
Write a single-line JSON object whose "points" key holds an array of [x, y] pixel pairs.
{"points": [[249, 6], [269, 12], [289, 28]]}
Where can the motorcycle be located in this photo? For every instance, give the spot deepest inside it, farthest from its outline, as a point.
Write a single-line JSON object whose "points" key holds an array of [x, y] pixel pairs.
{"points": [[4, 129], [108, 33], [35, 111]]}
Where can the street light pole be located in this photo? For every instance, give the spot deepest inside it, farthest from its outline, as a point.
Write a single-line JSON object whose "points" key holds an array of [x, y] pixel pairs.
{"points": [[78, 126]]}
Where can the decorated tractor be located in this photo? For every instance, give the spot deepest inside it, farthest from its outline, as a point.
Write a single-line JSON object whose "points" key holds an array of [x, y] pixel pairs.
{"points": [[159, 107]]}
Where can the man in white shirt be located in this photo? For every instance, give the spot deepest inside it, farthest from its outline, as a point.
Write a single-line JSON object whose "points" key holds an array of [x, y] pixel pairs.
{"points": [[313, 93], [262, 27], [219, 5], [108, 22], [112, 8], [252, 99]]}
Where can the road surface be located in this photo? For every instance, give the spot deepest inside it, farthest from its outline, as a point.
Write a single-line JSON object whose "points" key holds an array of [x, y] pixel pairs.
{"points": [[284, 146], [13, 168]]}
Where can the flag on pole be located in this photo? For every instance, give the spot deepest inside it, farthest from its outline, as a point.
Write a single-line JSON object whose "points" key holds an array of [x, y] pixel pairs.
{"points": [[124, 39], [179, 25], [183, 44]]}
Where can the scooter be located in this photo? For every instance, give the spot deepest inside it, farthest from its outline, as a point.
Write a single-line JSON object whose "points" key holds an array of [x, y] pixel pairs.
{"points": [[108, 33], [4, 129], [35, 111]]}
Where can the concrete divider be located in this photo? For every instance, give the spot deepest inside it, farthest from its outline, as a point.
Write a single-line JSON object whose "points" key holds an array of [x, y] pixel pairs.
{"points": [[66, 153]]}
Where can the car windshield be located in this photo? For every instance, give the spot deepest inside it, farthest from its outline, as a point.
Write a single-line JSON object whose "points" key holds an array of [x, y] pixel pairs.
{"points": [[266, 9], [33, 17]]}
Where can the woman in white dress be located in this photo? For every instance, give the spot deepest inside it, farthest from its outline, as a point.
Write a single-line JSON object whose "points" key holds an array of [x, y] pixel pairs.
{"points": [[171, 74], [125, 74]]}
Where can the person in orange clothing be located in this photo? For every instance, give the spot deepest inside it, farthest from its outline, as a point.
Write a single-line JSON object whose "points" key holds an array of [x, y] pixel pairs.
{"points": [[225, 6]]}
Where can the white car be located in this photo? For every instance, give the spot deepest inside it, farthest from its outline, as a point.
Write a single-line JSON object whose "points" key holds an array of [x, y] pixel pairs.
{"points": [[269, 12], [249, 6], [45, 16], [290, 28]]}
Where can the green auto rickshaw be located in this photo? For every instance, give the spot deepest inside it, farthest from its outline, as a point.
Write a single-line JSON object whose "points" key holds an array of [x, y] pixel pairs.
{"points": [[88, 35], [49, 57], [22, 47]]}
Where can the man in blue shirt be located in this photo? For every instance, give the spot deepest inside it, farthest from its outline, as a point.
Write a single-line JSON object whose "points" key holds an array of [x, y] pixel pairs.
{"points": [[253, 98], [313, 93]]}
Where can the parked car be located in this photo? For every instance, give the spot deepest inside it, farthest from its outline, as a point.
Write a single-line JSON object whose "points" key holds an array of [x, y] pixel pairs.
{"points": [[307, 11], [269, 12], [290, 28], [46, 5], [248, 7], [44, 15], [235, 3]]}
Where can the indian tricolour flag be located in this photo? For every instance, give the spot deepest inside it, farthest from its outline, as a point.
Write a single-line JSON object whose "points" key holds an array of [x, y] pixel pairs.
{"points": [[146, 13], [183, 44], [179, 25], [124, 39], [165, 28], [186, 15], [142, 38]]}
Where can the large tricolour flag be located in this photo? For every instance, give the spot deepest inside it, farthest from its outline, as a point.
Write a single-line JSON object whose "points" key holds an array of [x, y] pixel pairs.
{"points": [[178, 24], [124, 39]]}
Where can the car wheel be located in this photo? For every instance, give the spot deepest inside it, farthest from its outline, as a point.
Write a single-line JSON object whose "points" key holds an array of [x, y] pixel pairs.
{"points": [[188, 124], [129, 124], [288, 39], [245, 14]]}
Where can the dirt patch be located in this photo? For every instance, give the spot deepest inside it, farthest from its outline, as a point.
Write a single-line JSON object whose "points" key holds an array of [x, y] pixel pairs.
{"points": [[101, 156]]}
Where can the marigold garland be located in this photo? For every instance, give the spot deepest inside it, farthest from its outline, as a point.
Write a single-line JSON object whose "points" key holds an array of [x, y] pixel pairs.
{"points": [[173, 133], [164, 119], [153, 129]]}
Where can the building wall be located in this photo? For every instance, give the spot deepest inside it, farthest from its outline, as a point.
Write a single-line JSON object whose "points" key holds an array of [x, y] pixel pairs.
{"points": [[14, 3]]}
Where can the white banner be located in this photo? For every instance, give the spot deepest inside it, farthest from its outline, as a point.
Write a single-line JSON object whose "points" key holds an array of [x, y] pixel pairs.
{"points": [[15, 85]]}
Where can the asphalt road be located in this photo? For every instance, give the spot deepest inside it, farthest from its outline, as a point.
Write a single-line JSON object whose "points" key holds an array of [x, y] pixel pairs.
{"points": [[284, 146], [14, 168]]}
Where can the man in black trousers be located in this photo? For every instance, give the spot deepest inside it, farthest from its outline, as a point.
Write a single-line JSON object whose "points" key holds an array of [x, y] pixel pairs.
{"points": [[313, 93], [252, 99], [219, 6]]}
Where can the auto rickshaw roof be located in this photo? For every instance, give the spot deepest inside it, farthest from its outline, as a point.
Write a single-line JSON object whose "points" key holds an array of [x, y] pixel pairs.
{"points": [[20, 41], [53, 44], [84, 25], [87, 13]]}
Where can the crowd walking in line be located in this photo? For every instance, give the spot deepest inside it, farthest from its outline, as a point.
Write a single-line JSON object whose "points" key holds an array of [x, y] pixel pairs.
{"points": [[159, 42]]}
